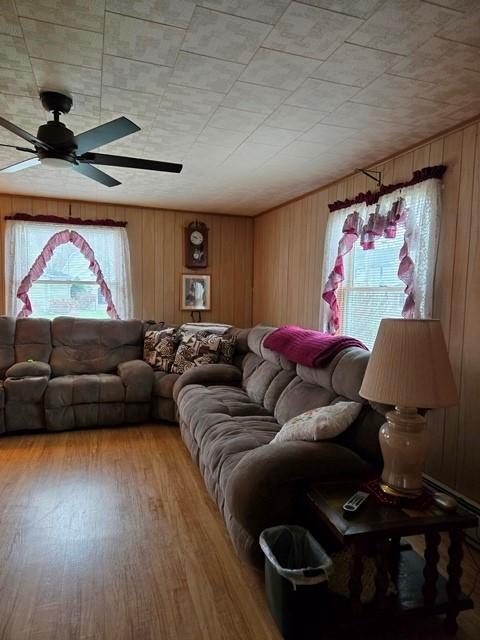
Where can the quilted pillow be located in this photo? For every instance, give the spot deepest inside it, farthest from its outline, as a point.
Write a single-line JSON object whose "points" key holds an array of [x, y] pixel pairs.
{"points": [[320, 424], [196, 349], [159, 349]]}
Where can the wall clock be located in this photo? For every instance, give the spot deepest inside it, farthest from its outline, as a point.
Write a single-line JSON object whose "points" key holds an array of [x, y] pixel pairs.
{"points": [[196, 245]]}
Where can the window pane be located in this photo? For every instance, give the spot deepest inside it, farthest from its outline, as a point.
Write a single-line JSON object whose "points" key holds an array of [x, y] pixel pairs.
{"points": [[69, 298], [67, 263], [371, 290]]}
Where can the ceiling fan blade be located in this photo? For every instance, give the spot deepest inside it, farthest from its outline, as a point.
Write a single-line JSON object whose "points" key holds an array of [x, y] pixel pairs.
{"points": [[94, 173], [131, 163], [19, 166], [24, 134], [105, 133], [12, 146]]}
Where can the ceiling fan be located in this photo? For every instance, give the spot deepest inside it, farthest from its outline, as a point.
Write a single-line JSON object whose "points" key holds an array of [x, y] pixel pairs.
{"points": [[56, 146]]}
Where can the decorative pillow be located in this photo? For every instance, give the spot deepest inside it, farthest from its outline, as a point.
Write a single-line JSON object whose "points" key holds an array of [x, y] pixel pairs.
{"points": [[227, 348], [196, 349], [159, 349], [320, 424]]}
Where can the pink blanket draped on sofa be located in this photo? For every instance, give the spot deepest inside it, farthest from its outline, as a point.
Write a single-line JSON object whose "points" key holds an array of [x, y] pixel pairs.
{"points": [[308, 347]]}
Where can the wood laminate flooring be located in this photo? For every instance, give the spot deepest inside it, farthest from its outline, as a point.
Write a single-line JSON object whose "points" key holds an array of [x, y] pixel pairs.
{"points": [[109, 534]]}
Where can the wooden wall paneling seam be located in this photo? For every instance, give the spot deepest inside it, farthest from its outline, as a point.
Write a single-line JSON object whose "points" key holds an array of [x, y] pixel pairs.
{"points": [[468, 462]]}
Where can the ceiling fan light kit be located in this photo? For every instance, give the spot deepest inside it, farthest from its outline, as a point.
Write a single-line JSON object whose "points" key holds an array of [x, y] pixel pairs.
{"points": [[56, 146]]}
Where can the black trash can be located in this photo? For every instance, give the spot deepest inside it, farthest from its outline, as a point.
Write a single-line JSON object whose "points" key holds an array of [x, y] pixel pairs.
{"points": [[296, 574]]}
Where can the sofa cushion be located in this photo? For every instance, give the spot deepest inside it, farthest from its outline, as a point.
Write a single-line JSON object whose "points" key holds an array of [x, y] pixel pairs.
{"points": [[300, 396], [94, 346], [163, 384], [159, 349], [84, 389]]}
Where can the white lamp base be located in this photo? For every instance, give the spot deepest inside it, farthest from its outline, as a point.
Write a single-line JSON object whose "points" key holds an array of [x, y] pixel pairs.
{"points": [[404, 442]]}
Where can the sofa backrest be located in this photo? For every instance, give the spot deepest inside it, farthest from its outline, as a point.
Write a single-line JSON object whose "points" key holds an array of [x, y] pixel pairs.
{"points": [[7, 343], [94, 346], [33, 339], [287, 389]]}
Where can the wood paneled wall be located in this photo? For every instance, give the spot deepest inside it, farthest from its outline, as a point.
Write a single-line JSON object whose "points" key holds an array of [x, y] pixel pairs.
{"points": [[157, 245], [288, 252]]}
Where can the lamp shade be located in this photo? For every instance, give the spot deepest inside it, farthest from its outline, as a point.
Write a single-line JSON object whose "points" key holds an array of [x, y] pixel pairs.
{"points": [[409, 366]]}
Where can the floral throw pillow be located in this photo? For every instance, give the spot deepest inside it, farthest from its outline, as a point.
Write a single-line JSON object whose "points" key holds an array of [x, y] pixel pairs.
{"points": [[321, 423], [159, 349], [196, 349]]}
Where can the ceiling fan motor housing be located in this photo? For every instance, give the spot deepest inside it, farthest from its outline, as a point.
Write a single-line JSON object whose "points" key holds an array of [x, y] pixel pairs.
{"points": [[57, 135]]}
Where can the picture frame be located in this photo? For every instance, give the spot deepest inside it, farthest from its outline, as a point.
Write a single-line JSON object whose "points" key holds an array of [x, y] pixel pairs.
{"points": [[195, 292]]}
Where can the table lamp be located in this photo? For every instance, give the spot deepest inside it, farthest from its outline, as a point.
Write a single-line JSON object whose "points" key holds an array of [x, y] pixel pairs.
{"points": [[408, 368]]}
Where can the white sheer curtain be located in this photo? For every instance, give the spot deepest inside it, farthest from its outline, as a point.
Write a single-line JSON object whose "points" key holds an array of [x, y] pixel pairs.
{"points": [[422, 203], [24, 241]]}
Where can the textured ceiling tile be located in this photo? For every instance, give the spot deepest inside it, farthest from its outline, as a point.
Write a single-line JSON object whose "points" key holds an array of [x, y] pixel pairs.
{"points": [[262, 10], [21, 106], [79, 123], [386, 89], [357, 116], [176, 13], [324, 96], [310, 31], [359, 8], [254, 97], [182, 121], [81, 14], [193, 70], [65, 77], [236, 120], [88, 106], [122, 73], [294, 118], [273, 136], [141, 40], [14, 53], [134, 102], [468, 111], [465, 29], [461, 89], [47, 41], [358, 66], [278, 69], [438, 61], [249, 155], [223, 36], [20, 82], [221, 137], [304, 149], [327, 134], [400, 26], [9, 23], [189, 99]]}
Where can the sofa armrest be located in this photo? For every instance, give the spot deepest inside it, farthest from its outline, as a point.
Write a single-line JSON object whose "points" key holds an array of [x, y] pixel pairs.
{"points": [[265, 486], [29, 369], [137, 378], [207, 375]]}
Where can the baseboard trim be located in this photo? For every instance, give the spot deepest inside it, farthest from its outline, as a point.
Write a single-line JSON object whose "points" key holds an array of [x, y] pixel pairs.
{"points": [[472, 536]]}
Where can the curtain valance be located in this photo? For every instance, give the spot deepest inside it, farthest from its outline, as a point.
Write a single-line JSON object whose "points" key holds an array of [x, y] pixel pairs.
{"points": [[107, 222], [372, 197]]}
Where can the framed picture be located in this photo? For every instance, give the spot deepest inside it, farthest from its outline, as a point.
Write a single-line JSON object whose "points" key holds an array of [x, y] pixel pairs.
{"points": [[195, 294]]}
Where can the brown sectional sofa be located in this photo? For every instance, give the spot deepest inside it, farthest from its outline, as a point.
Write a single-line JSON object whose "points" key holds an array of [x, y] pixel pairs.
{"points": [[89, 373], [228, 416]]}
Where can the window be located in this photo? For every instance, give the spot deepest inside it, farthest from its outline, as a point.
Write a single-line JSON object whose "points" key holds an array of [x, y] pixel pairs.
{"points": [[371, 289], [58, 270], [362, 286]]}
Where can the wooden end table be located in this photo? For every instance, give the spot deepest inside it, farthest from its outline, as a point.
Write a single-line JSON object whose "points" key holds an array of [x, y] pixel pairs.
{"points": [[377, 530]]}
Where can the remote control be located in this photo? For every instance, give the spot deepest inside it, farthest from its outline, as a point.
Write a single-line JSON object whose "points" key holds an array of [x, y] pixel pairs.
{"points": [[354, 504]]}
